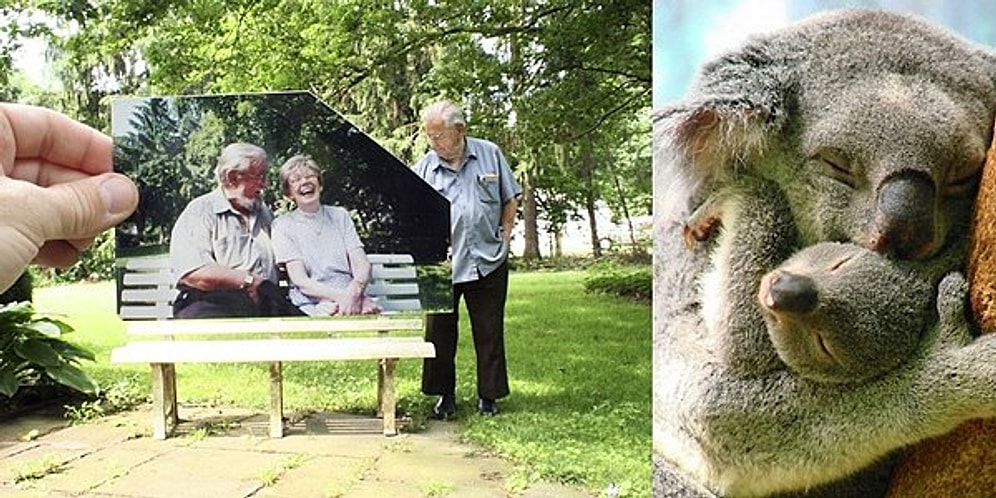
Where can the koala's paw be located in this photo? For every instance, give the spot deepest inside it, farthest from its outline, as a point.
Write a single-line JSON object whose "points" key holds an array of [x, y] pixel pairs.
{"points": [[952, 300], [703, 222]]}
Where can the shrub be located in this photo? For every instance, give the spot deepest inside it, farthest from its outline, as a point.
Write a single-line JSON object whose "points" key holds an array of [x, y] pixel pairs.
{"points": [[33, 351], [635, 282], [20, 291], [96, 263]]}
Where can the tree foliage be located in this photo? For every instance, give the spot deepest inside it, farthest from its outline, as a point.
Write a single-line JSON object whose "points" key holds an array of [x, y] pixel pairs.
{"points": [[562, 85]]}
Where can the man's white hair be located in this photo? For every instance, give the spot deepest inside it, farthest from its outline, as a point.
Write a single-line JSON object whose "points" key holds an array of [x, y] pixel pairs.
{"points": [[450, 113], [238, 157]]}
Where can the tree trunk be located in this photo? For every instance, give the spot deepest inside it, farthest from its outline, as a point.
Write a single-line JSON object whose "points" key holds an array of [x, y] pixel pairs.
{"points": [[588, 170], [531, 228]]}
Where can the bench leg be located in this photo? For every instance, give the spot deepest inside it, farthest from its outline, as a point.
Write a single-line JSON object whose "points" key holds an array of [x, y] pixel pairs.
{"points": [[380, 388], [163, 399], [276, 400], [385, 395], [169, 389]]}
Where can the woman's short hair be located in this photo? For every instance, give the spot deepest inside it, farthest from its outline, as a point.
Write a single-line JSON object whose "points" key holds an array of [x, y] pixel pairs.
{"points": [[238, 157], [293, 164]]}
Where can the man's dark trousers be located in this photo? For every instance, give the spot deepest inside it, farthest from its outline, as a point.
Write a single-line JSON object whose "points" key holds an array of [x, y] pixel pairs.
{"points": [[485, 300]]}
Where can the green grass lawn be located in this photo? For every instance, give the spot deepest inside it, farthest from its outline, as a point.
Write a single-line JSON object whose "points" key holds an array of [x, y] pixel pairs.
{"points": [[579, 368]]}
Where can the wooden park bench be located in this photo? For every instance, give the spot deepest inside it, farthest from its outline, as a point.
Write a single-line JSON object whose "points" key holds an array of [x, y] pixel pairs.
{"points": [[145, 304]]}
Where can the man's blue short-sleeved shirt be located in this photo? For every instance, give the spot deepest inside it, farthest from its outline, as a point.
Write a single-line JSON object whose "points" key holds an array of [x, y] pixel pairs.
{"points": [[477, 192]]}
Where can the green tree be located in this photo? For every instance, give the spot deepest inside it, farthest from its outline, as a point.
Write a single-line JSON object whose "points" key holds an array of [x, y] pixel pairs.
{"points": [[557, 83]]}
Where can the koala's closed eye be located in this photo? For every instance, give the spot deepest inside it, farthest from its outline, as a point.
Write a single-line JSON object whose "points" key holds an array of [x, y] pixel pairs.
{"points": [[961, 182], [837, 165]]}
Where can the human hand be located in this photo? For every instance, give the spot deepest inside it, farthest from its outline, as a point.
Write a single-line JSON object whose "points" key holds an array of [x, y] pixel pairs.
{"points": [[325, 307], [353, 302], [57, 191]]}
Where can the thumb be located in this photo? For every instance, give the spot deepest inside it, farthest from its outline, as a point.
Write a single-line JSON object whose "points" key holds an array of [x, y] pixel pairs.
{"points": [[31, 215]]}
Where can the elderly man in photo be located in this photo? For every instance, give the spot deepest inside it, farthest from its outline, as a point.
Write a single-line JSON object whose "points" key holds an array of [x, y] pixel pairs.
{"points": [[220, 246], [474, 176]]}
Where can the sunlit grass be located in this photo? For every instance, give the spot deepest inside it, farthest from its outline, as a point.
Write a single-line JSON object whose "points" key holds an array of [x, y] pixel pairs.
{"points": [[579, 367]]}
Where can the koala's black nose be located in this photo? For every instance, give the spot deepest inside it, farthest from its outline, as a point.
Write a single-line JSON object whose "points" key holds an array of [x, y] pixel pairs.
{"points": [[904, 216], [791, 293]]}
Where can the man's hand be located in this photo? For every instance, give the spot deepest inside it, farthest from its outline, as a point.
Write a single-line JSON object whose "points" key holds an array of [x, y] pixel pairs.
{"points": [[57, 191]]}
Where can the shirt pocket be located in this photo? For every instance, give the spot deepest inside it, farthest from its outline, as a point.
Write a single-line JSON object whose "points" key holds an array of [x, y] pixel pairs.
{"points": [[488, 188]]}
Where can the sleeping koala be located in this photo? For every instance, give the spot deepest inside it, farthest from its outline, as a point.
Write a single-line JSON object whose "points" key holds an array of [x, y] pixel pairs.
{"points": [[831, 311], [847, 376], [874, 125], [837, 312]]}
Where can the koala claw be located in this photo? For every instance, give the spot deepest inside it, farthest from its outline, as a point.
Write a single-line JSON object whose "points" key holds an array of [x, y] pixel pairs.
{"points": [[951, 294], [952, 300], [699, 230], [702, 223]]}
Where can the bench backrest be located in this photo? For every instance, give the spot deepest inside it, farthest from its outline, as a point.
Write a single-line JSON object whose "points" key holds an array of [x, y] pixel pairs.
{"points": [[148, 286]]}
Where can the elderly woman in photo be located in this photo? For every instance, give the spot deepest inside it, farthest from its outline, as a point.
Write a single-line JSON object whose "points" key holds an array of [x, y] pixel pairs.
{"points": [[325, 261]]}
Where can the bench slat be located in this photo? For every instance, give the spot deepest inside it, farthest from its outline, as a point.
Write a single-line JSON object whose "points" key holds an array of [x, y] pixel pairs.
{"points": [[148, 295], [393, 305], [156, 312], [378, 272], [390, 259], [161, 278], [238, 351], [379, 289], [155, 262], [214, 326]]}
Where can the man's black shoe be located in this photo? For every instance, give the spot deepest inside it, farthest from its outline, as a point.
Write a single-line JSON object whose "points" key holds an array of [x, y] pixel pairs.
{"points": [[445, 407], [487, 407]]}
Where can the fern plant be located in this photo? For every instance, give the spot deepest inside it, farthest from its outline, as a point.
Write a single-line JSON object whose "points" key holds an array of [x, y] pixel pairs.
{"points": [[33, 350]]}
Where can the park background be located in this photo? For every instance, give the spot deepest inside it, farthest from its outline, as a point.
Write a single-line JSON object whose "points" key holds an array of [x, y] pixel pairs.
{"points": [[562, 86]]}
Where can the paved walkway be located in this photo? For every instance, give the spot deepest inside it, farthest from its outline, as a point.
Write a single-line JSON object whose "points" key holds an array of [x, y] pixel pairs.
{"points": [[226, 453]]}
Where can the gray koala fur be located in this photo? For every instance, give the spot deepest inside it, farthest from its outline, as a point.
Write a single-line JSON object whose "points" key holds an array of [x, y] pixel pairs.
{"points": [[745, 425], [829, 312], [874, 126]]}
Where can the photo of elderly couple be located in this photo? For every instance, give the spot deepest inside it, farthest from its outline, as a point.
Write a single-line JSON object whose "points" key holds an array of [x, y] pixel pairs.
{"points": [[271, 205]]}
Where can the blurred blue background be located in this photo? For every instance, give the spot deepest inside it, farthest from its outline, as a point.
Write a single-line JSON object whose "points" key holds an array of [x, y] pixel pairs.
{"points": [[688, 32]]}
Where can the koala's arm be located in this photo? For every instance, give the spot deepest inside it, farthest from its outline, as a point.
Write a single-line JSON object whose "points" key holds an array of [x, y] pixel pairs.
{"points": [[757, 234], [781, 433]]}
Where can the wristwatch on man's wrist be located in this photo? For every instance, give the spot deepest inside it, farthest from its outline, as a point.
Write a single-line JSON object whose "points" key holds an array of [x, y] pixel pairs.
{"points": [[247, 281]]}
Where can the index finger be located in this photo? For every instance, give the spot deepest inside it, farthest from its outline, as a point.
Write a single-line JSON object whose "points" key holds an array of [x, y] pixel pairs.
{"points": [[36, 133]]}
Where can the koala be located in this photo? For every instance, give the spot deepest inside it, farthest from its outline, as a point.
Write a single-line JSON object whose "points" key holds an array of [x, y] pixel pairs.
{"points": [[875, 124], [801, 381], [835, 313], [830, 311]]}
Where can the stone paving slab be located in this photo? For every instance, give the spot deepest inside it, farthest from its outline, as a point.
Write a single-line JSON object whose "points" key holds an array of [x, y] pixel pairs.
{"points": [[227, 453]]}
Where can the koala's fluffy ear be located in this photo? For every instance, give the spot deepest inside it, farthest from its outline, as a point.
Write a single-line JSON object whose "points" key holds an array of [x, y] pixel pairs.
{"points": [[736, 104]]}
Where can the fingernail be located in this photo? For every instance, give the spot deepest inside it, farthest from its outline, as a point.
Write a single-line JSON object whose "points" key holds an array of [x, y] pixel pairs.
{"points": [[116, 192]]}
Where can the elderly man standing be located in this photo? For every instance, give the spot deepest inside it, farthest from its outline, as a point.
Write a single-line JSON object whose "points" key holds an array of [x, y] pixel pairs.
{"points": [[220, 246], [474, 176]]}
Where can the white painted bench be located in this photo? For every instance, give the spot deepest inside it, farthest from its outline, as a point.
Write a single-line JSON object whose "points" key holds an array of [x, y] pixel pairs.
{"points": [[148, 286], [155, 338]]}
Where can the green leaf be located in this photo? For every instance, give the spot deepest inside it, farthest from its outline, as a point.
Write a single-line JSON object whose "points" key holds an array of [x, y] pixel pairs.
{"points": [[15, 313], [46, 327], [8, 383], [70, 351], [38, 351], [72, 376]]}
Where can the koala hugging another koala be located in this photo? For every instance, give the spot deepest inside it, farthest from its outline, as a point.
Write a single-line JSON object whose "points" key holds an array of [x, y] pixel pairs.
{"points": [[822, 177]]}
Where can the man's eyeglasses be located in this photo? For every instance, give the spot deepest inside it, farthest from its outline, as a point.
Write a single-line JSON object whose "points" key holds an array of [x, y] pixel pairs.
{"points": [[440, 135], [256, 177]]}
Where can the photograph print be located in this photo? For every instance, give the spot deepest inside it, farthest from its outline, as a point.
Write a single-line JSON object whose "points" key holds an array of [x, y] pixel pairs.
{"points": [[271, 204]]}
